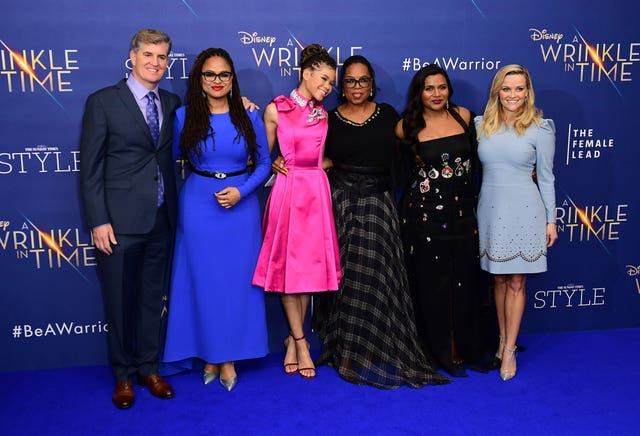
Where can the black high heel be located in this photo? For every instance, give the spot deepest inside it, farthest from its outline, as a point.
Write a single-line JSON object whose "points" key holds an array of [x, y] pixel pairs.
{"points": [[496, 363], [454, 369]]}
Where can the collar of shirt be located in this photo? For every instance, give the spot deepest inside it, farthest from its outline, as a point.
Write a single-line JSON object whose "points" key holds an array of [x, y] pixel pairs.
{"points": [[140, 92]]}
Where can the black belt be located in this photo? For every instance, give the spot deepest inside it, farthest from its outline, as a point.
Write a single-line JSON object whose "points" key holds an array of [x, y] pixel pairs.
{"points": [[361, 169], [218, 174], [360, 182]]}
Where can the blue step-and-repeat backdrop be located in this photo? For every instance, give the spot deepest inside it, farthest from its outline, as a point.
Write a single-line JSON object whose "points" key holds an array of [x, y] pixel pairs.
{"points": [[585, 64]]}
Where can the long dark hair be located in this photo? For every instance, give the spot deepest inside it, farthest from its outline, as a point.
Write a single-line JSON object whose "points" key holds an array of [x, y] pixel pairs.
{"points": [[197, 126], [358, 59], [412, 119]]}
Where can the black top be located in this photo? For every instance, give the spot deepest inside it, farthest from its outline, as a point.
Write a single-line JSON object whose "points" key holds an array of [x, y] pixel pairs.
{"points": [[441, 198], [367, 144]]}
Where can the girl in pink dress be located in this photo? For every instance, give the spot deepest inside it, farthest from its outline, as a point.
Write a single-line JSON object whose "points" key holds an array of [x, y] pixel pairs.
{"points": [[300, 252]]}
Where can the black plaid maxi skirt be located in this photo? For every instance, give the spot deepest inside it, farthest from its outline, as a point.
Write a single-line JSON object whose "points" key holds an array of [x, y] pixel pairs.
{"points": [[367, 328]]}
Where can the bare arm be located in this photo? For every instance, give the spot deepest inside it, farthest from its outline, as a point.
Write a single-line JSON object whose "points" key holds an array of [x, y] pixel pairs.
{"points": [[271, 124], [399, 131]]}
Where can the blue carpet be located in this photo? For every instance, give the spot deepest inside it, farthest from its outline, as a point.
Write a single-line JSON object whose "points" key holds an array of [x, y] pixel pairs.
{"points": [[583, 383]]}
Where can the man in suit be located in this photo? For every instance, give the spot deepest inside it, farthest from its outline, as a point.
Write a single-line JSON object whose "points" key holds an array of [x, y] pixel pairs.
{"points": [[129, 192]]}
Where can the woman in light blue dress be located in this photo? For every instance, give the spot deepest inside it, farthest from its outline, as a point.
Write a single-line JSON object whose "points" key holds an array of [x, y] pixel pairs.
{"points": [[516, 214], [215, 315]]}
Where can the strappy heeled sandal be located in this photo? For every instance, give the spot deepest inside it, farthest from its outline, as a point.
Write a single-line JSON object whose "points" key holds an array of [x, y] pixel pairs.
{"points": [[304, 369], [290, 364]]}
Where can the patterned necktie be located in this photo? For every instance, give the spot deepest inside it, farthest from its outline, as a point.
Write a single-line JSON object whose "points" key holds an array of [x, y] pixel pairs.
{"points": [[154, 129], [152, 117]]}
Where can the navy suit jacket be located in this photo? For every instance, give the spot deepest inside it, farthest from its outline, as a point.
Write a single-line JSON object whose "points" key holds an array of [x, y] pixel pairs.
{"points": [[118, 161]]}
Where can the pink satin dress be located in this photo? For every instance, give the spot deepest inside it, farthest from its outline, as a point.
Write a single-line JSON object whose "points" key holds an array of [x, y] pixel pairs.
{"points": [[300, 249]]}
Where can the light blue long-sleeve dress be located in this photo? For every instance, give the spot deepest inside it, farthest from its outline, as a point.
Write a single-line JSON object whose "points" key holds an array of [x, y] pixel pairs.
{"points": [[513, 210], [215, 314]]}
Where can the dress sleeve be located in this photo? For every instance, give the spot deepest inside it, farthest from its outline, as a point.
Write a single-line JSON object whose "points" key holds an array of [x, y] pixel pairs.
{"points": [[545, 150], [476, 121], [178, 123], [263, 166], [283, 104]]}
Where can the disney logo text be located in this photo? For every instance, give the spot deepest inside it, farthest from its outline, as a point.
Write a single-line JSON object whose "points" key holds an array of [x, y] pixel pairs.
{"points": [[539, 35], [633, 270], [253, 38]]}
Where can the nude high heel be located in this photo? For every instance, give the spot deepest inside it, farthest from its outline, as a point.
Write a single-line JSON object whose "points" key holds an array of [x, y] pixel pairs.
{"points": [[509, 354]]}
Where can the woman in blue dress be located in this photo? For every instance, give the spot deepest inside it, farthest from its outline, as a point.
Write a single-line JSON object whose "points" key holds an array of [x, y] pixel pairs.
{"points": [[215, 314], [516, 215]]}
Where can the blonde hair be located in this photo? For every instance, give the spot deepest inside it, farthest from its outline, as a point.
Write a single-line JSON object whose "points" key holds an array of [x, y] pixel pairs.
{"points": [[492, 119]]}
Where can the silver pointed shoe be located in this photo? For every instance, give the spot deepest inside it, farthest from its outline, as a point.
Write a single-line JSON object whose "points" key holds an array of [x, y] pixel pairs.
{"points": [[508, 375], [208, 377], [229, 384]]}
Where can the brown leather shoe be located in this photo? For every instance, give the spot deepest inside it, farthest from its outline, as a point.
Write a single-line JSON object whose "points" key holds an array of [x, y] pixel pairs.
{"points": [[157, 386], [123, 394]]}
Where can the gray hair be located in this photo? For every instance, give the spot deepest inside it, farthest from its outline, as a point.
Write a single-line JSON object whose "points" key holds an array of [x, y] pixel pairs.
{"points": [[149, 36]]}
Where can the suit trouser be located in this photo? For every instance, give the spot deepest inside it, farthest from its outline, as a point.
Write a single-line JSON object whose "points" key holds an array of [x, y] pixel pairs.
{"points": [[133, 288]]}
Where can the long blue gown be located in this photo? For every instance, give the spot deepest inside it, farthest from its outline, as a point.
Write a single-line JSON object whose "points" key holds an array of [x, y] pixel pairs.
{"points": [[215, 313]]}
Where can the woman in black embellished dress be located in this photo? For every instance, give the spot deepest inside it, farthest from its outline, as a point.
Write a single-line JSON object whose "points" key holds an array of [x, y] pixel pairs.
{"points": [[438, 222], [367, 327]]}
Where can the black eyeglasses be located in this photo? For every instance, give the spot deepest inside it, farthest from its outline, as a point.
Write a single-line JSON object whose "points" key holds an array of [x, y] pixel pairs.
{"points": [[363, 82], [210, 76]]}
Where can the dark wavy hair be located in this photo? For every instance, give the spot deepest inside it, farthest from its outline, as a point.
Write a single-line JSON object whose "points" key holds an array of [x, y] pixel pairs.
{"points": [[315, 55], [412, 119], [358, 59], [197, 126]]}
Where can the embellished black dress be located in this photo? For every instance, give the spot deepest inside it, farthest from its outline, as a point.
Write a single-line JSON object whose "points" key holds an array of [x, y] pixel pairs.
{"points": [[367, 328], [440, 239]]}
